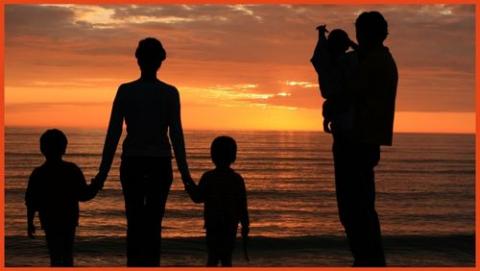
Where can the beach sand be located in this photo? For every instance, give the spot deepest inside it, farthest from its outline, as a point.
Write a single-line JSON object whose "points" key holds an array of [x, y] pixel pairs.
{"points": [[328, 251]]}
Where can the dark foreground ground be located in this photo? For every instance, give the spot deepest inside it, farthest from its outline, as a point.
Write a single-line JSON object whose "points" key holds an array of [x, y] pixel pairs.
{"points": [[456, 250]]}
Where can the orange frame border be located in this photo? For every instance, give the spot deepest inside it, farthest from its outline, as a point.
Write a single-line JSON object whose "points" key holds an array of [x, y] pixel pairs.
{"points": [[342, 2]]}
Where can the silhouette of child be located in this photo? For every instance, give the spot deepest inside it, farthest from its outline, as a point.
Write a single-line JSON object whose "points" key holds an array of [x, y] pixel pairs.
{"points": [[327, 60], [223, 193], [54, 190]]}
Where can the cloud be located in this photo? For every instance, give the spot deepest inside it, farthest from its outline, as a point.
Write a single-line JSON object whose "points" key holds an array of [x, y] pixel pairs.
{"points": [[301, 84], [228, 45], [35, 19], [12, 108], [247, 94]]}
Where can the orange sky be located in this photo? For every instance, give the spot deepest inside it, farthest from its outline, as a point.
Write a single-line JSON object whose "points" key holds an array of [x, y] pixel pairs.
{"points": [[236, 66]]}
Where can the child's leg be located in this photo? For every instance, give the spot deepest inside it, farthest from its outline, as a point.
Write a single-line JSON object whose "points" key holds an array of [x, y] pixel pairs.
{"points": [[228, 244], [213, 247], [54, 247], [68, 237]]}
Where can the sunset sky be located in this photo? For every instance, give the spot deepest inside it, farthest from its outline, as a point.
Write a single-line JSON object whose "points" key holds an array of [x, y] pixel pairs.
{"points": [[236, 66]]}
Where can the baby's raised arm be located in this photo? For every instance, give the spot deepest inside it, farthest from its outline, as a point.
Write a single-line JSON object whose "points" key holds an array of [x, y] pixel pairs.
{"points": [[322, 29], [320, 47]]}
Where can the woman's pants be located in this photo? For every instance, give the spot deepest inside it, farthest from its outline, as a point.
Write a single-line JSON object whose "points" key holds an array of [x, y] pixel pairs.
{"points": [[146, 182]]}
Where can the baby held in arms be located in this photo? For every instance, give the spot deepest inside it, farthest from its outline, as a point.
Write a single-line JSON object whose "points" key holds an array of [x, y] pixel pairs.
{"points": [[329, 60]]}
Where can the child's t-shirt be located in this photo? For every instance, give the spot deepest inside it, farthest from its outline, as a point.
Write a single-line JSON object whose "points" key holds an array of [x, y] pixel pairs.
{"points": [[224, 195], [54, 190]]}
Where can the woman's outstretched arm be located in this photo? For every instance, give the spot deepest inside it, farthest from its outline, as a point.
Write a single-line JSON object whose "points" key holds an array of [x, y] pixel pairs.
{"points": [[111, 141], [176, 136]]}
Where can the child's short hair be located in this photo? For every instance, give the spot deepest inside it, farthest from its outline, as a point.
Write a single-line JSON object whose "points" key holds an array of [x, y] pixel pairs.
{"points": [[223, 151], [338, 40], [53, 143]]}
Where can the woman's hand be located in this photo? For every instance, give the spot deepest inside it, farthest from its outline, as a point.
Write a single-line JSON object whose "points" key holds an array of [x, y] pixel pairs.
{"points": [[99, 180], [187, 180]]}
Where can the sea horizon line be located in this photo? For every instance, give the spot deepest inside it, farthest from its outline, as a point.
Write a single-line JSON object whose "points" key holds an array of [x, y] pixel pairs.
{"points": [[186, 129]]}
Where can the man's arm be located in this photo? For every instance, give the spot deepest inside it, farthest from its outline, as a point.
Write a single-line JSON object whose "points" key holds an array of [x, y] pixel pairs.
{"points": [[111, 141]]}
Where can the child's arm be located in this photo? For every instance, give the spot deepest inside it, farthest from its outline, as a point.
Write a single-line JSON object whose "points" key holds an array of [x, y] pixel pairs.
{"points": [[31, 202], [244, 218], [85, 192], [195, 192]]}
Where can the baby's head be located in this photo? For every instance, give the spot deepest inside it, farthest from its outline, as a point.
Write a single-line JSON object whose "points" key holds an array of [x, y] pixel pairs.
{"points": [[53, 144], [338, 41], [223, 151]]}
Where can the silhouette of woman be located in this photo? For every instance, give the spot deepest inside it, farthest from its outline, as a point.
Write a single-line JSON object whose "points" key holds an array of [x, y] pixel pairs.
{"points": [[150, 108]]}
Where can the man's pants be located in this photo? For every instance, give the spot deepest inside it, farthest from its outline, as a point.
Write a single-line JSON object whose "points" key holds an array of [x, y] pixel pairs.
{"points": [[145, 182], [355, 188]]}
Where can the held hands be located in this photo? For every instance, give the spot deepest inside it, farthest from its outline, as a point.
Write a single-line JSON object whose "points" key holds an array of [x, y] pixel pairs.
{"points": [[353, 45], [98, 181], [96, 185], [31, 230], [187, 180]]}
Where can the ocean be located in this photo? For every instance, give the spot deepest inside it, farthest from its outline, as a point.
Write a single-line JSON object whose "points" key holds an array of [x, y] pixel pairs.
{"points": [[425, 185]]}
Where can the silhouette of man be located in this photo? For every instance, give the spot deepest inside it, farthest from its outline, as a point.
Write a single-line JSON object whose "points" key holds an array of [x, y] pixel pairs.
{"points": [[356, 150], [151, 111]]}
